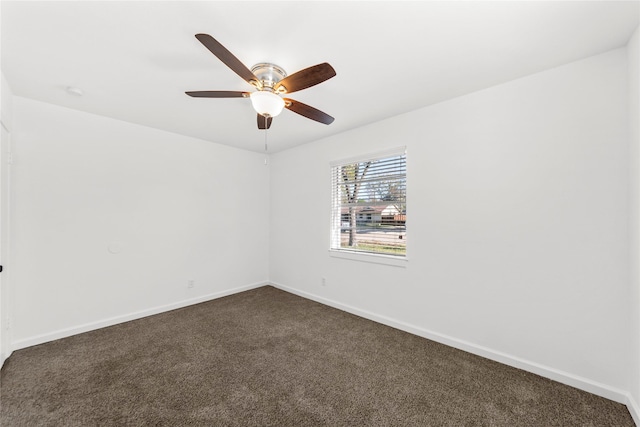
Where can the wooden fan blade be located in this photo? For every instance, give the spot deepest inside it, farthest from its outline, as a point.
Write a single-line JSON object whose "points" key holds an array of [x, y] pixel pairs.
{"points": [[306, 78], [308, 111], [227, 57], [264, 122], [218, 94]]}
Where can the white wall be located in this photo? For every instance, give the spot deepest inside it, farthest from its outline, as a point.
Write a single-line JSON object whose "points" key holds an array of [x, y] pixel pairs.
{"points": [[174, 208], [517, 226], [6, 96], [633, 52], [5, 283]]}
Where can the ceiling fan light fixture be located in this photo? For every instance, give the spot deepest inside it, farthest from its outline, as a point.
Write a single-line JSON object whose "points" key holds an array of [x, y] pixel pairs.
{"points": [[267, 103]]}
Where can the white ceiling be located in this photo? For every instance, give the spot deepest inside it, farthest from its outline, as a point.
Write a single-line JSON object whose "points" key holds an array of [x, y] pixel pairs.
{"points": [[134, 60]]}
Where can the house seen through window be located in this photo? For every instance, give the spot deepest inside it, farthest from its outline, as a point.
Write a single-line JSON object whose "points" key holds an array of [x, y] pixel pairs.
{"points": [[369, 208]]}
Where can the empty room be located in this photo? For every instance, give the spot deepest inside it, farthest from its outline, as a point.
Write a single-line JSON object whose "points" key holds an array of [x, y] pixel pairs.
{"points": [[320, 213]]}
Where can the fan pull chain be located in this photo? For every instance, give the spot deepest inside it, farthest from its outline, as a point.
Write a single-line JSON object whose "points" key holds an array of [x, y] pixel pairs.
{"points": [[265, 146]]}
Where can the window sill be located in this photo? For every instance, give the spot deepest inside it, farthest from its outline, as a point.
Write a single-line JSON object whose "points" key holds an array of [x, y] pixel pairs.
{"points": [[370, 258]]}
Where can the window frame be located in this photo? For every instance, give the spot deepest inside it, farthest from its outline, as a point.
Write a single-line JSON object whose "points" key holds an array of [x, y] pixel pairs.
{"points": [[335, 249]]}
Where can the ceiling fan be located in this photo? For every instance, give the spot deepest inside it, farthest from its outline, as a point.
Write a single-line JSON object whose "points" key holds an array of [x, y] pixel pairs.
{"points": [[271, 82]]}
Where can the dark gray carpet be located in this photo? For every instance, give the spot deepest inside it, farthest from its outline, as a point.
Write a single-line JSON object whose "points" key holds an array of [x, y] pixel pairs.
{"points": [[268, 358]]}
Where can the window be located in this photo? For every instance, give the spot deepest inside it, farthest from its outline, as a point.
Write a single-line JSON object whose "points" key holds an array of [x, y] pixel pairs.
{"points": [[369, 206]]}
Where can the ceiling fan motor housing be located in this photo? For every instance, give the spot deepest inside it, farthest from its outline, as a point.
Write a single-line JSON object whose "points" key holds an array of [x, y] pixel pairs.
{"points": [[268, 74]]}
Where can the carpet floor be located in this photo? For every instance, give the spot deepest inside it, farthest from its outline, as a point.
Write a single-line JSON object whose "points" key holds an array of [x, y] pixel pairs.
{"points": [[269, 358]]}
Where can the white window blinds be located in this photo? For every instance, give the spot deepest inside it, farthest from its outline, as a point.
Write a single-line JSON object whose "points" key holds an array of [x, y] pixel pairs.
{"points": [[369, 208]]}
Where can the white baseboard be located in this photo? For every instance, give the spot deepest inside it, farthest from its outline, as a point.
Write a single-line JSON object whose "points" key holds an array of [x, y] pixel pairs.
{"points": [[634, 409], [581, 383], [63, 333]]}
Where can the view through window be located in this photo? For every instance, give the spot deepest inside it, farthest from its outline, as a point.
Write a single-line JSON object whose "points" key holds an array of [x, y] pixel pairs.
{"points": [[369, 209]]}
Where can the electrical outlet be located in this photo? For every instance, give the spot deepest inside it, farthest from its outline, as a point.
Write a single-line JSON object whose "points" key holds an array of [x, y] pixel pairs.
{"points": [[191, 283], [324, 281]]}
